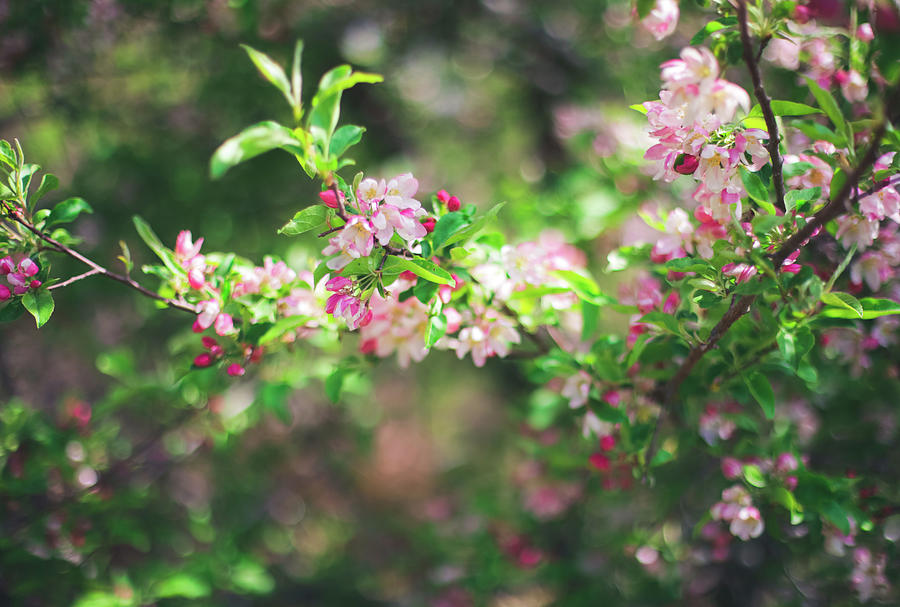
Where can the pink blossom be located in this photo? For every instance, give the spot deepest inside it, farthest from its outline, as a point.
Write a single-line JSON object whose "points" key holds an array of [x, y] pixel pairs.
{"points": [[235, 370], [577, 388], [355, 240], [783, 52], [644, 292], [370, 193], [853, 85], [7, 265], [204, 360], [27, 267], [868, 576], [731, 468], [224, 324], [747, 523], [853, 229], [864, 32], [389, 218], [400, 326], [331, 201], [490, 335], [873, 267], [742, 272], [208, 312], [185, 248], [5, 293], [400, 192], [662, 19], [733, 500], [19, 282]]}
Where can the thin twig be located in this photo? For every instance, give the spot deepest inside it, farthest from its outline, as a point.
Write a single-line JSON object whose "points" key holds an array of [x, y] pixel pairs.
{"points": [[74, 279], [100, 270], [764, 103]]}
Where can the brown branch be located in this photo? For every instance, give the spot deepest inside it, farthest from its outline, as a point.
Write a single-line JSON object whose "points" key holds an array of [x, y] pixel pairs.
{"points": [[74, 279], [764, 103], [100, 270]]}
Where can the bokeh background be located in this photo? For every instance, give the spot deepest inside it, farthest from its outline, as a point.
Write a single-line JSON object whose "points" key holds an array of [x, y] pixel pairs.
{"points": [[439, 485]]}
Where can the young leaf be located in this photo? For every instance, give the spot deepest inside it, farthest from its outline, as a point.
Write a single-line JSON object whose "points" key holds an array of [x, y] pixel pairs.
{"points": [[799, 198], [762, 391], [334, 383], [445, 228], [40, 304], [303, 221], [67, 211], [437, 326], [49, 182], [479, 224], [786, 108], [710, 28], [252, 142], [419, 267], [297, 80], [757, 190], [345, 137], [843, 300], [155, 244], [584, 287], [872, 307], [271, 71]]}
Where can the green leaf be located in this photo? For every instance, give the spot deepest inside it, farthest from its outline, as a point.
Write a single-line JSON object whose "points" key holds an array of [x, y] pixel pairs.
{"points": [[584, 287], [67, 210], [252, 577], [13, 310], [334, 383], [762, 391], [7, 155], [871, 308], [155, 244], [843, 301], [281, 327], [836, 515], [479, 224], [638, 107], [837, 183], [710, 28], [305, 220], [754, 476], [49, 182], [40, 304], [796, 169], [799, 198], [271, 71], [297, 79], [252, 142], [687, 264], [419, 267], [661, 457], [99, 599], [183, 585], [830, 106], [445, 227], [757, 190], [662, 320], [644, 7], [326, 104], [815, 131], [785, 340], [437, 326], [345, 137], [321, 270], [425, 290], [786, 108]]}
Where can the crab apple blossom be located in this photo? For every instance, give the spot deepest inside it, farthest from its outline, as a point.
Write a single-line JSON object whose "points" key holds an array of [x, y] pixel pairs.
{"points": [[577, 388], [747, 523], [355, 240], [491, 334], [868, 577], [662, 19], [7, 265]]}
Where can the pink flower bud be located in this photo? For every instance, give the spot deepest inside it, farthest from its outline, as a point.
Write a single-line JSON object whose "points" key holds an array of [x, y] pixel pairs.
{"points": [[790, 483], [443, 196], [686, 164], [20, 290], [34, 284], [209, 342], [235, 370], [864, 32], [330, 199], [337, 283], [731, 468], [429, 224], [196, 279], [608, 442], [28, 267], [7, 266], [529, 557], [256, 354], [453, 204], [224, 324], [599, 461], [5, 293], [801, 14], [612, 397], [16, 279], [671, 303], [368, 346], [203, 360], [216, 351]]}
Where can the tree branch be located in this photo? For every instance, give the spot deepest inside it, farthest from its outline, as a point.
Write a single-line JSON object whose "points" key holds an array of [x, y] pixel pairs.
{"points": [[100, 270], [764, 103]]}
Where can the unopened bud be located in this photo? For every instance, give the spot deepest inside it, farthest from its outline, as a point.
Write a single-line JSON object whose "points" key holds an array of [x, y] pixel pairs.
{"points": [[429, 224], [203, 360], [329, 198], [453, 204], [5, 293], [235, 370], [443, 196], [686, 164]]}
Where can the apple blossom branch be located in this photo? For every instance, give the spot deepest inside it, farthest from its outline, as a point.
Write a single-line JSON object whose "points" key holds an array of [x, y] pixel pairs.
{"points": [[97, 269], [764, 103], [668, 392]]}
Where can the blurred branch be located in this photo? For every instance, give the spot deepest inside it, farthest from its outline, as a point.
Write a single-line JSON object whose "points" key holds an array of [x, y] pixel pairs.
{"points": [[96, 268]]}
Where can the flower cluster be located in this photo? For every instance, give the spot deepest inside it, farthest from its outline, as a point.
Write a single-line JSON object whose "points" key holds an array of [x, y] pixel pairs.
{"points": [[21, 278], [692, 123], [737, 510]]}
